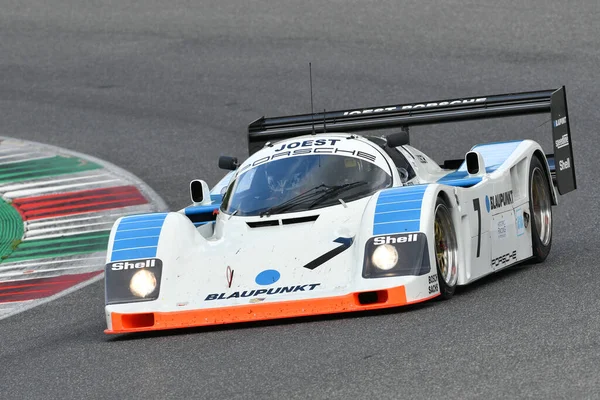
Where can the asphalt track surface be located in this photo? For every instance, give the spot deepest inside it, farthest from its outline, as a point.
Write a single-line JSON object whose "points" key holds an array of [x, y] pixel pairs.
{"points": [[161, 88]]}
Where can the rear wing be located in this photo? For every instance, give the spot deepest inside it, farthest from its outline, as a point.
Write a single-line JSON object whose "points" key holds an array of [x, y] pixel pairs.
{"points": [[552, 101]]}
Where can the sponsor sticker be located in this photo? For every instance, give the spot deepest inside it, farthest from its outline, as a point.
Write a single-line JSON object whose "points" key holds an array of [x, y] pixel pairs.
{"points": [[411, 237], [415, 106], [564, 164], [229, 276], [434, 286], [501, 229], [498, 200], [321, 146], [504, 259], [262, 292], [137, 264], [370, 110], [559, 122], [562, 142], [307, 143], [520, 221], [267, 277]]}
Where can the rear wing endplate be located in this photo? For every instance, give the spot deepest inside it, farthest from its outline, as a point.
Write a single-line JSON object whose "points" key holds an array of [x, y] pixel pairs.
{"points": [[552, 101]]}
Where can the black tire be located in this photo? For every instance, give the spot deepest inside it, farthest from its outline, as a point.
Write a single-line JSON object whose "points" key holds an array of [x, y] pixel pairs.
{"points": [[446, 249], [540, 211]]}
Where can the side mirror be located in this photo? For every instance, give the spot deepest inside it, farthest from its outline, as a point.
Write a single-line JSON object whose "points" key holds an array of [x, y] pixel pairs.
{"points": [[475, 163], [397, 139], [226, 162], [199, 192]]}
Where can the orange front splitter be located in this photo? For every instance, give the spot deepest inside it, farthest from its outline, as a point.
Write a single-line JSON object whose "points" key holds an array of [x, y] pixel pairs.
{"points": [[151, 321]]}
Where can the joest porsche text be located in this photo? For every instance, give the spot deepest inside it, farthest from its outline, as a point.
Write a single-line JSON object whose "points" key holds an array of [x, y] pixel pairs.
{"points": [[308, 143], [415, 106], [310, 147], [259, 292]]}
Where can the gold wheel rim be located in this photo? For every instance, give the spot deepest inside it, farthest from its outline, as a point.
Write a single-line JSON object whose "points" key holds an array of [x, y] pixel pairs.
{"points": [[445, 245]]}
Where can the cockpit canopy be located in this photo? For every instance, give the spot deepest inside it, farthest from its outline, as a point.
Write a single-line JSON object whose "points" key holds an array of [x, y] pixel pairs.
{"points": [[303, 182]]}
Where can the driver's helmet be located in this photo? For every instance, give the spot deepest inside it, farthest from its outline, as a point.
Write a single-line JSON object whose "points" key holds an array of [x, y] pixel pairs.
{"points": [[289, 174]]}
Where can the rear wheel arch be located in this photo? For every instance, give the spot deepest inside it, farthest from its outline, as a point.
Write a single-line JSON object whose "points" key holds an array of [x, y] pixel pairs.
{"points": [[542, 157], [540, 209]]}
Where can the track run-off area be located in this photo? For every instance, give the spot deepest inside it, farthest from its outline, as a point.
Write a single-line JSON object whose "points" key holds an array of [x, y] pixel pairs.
{"points": [[56, 212], [161, 89]]}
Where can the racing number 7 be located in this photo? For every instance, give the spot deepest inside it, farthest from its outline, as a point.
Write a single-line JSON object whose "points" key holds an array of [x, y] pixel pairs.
{"points": [[477, 208]]}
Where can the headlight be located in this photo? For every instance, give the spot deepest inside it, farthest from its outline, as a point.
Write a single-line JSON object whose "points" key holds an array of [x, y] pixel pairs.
{"points": [[142, 283], [384, 257]]}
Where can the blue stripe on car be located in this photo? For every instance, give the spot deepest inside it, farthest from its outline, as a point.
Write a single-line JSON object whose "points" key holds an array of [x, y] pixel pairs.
{"points": [[137, 232], [137, 237], [398, 210], [200, 215], [493, 154], [198, 210]]}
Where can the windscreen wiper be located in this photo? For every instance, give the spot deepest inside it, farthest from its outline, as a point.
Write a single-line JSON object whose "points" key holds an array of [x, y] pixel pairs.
{"points": [[294, 201], [334, 191]]}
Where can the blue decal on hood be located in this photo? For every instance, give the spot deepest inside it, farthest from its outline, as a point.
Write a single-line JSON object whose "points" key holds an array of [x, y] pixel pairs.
{"points": [[267, 277], [137, 237], [398, 210]]}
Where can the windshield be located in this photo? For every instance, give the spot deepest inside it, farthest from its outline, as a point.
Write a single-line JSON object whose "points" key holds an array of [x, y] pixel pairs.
{"points": [[302, 183]]}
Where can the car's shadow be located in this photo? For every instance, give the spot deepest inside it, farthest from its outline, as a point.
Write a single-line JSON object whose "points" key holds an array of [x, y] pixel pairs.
{"points": [[495, 278]]}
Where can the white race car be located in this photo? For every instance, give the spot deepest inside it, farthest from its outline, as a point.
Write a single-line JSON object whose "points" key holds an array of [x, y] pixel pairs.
{"points": [[322, 220]]}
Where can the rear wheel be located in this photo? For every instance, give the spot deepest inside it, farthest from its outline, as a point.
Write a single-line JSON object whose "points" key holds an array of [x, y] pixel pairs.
{"points": [[446, 249], [540, 208]]}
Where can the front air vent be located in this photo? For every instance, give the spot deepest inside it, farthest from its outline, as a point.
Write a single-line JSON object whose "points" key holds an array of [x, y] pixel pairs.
{"points": [[374, 297], [136, 321], [262, 224], [299, 220], [287, 221]]}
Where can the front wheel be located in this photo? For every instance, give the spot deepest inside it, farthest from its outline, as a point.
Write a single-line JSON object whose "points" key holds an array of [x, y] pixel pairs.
{"points": [[540, 208], [446, 249]]}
